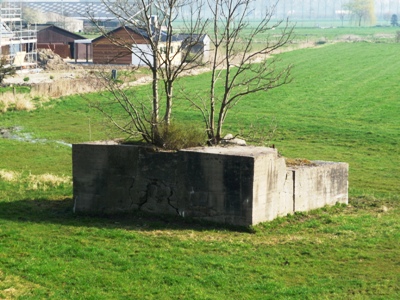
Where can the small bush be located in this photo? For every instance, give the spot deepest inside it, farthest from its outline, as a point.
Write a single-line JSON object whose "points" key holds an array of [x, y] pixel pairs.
{"points": [[180, 136], [51, 77], [397, 36], [320, 42], [26, 79]]}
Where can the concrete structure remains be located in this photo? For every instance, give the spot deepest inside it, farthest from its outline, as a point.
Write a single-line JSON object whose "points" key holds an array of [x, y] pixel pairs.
{"points": [[233, 185]]}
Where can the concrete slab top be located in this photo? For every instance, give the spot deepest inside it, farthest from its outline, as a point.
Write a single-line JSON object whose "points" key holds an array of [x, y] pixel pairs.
{"points": [[109, 142], [249, 151], [316, 164], [231, 150]]}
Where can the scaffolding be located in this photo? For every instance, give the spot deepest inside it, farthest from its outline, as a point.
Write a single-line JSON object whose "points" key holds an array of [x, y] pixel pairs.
{"points": [[18, 42]]}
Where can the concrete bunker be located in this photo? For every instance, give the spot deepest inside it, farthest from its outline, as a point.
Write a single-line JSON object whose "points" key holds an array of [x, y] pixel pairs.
{"points": [[233, 185]]}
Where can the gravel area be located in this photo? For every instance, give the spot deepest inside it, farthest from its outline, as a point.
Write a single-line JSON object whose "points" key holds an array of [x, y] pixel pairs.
{"points": [[38, 76]]}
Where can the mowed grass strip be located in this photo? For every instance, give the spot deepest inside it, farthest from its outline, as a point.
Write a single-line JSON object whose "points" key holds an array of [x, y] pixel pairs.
{"points": [[339, 252]]}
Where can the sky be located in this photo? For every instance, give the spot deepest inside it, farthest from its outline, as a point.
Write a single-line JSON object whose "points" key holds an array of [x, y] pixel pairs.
{"points": [[294, 9]]}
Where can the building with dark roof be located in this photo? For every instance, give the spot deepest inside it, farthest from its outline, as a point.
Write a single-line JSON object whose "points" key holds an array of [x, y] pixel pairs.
{"points": [[131, 46], [61, 41]]}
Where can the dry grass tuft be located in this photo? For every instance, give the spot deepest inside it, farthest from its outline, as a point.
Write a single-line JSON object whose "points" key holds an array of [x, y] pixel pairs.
{"points": [[295, 162], [13, 287], [64, 87], [22, 102], [4, 103], [35, 182], [9, 176], [10, 101], [45, 181]]}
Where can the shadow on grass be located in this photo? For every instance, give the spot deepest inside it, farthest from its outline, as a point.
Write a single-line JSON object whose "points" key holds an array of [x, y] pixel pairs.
{"points": [[60, 212]]}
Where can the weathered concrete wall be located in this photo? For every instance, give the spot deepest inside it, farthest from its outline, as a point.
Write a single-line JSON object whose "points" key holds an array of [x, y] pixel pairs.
{"points": [[272, 193], [114, 178], [323, 184], [234, 185]]}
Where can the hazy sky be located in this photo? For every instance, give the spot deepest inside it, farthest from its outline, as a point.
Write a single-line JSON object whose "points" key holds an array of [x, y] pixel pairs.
{"points": [[295, 9]]}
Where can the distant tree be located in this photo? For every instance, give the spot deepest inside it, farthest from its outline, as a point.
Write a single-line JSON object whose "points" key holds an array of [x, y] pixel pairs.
{"points": [[342, 15], [362, 10], [5, 69], [387, 16], [33, 16], [394, 20]]}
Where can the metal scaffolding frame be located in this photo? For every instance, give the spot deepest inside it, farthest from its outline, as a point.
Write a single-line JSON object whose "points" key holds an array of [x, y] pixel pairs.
{"points": [[18, 42]]}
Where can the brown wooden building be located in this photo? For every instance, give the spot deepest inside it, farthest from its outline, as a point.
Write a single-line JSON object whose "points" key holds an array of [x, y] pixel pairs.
{"points": [[109, 50], [129, 46], [60, 41]]}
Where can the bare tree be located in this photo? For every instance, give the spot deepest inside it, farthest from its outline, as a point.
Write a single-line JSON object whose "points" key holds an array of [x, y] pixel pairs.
{"points": [[153, 20], [362, 10], [33, 16], [240, 66]]}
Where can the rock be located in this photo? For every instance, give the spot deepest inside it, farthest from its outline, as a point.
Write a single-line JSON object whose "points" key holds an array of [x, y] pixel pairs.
{"points": [[230, 139], [5, 133]]}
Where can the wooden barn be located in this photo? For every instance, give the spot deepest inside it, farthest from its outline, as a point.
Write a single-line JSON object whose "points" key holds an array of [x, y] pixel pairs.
{"points": [[61, 41], [135, 50]]}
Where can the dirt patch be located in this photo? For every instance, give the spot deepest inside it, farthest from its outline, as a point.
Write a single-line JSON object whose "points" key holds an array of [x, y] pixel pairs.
{"points": [[51, 67], [384, 36], [299, 162], [350, 38], [28, 77], [48, 60]]}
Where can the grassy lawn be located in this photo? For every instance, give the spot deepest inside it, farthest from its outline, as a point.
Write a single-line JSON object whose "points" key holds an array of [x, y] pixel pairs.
{"points": [[341, 252], [342, 105]]}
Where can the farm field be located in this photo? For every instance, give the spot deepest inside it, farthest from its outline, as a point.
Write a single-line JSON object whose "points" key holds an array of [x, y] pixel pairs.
{"points": [[342, 105]]}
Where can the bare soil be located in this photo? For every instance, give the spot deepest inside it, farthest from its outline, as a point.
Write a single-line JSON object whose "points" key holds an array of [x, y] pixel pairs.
{"points": [[35, 76], [52, 68]]}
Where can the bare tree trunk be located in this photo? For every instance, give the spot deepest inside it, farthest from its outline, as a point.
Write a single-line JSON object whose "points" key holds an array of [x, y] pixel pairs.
{"points": [[214, 74], [156, 98], [169, 97]]}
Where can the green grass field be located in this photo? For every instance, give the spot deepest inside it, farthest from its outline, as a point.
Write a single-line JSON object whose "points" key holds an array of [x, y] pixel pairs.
{"points": [[342, 105]]}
